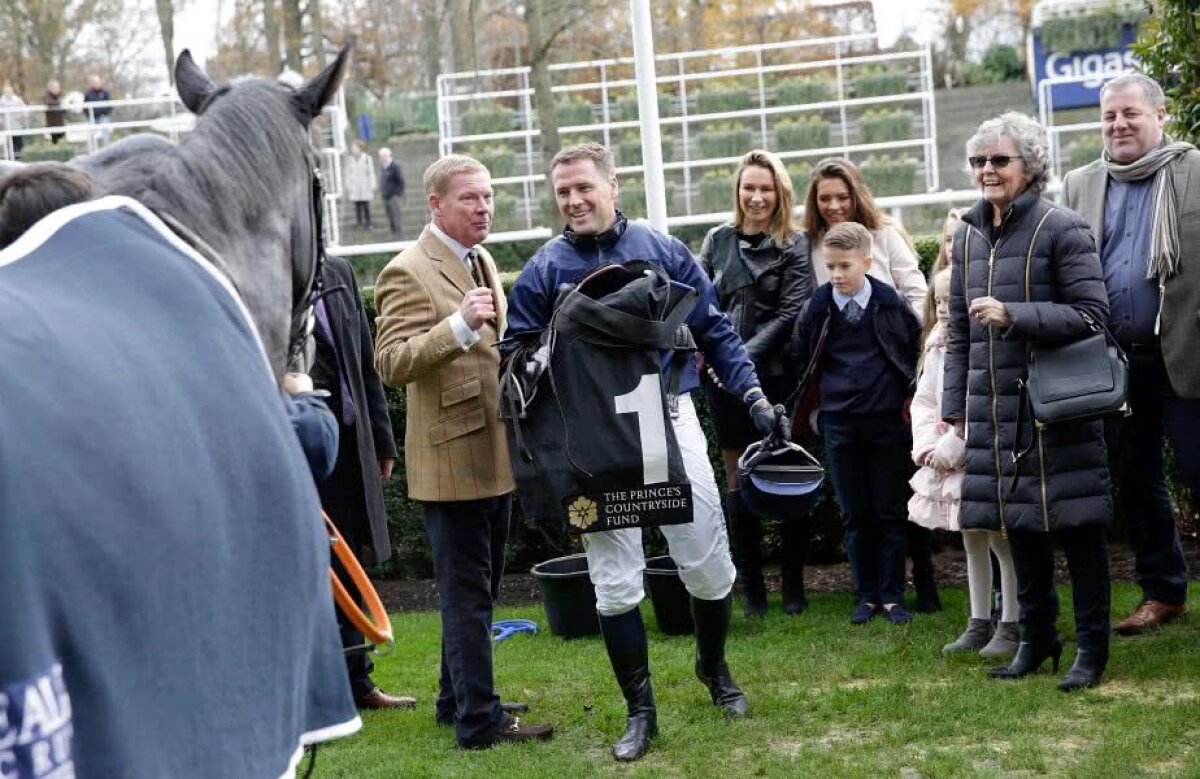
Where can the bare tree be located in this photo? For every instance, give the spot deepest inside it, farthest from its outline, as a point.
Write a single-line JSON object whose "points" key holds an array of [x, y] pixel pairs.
{"points": [[462, 34], [166, 27], [432, 14], [318, 31], [270, 22], [42, 36], [293, 34], [539, 76]]}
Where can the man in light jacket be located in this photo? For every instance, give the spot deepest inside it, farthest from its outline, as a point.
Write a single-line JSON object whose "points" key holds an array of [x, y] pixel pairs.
{"points": [[1142, 200]]}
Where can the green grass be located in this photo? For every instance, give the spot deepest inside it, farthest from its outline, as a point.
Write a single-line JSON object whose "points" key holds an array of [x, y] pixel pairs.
{"points": [[828, 699]]}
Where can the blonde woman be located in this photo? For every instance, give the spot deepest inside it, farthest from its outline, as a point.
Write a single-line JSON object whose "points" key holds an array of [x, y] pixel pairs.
{"points": [[759, 263]]}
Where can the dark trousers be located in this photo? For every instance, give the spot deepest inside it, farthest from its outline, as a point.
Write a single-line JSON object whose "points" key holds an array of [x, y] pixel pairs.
{"points": [[1136, 454], [468, 540], [1087, 560], [867, 457], [392, 206], [342, 498], [362, 213]]}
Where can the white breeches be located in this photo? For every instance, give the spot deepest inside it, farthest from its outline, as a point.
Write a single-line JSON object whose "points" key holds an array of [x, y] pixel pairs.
{"points": [[700, 548]]}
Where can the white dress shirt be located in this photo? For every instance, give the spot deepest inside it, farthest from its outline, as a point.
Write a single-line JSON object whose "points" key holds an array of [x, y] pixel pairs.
{"points": [[465, 336]]}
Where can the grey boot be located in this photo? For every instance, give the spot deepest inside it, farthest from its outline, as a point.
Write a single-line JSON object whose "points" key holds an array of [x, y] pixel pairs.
{"points": [[1004, 641], [973, 639]]}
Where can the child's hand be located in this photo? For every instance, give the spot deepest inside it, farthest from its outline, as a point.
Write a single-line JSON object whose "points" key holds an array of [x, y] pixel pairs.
{"points": [[942, 427], [922, 456], [949, 453]]}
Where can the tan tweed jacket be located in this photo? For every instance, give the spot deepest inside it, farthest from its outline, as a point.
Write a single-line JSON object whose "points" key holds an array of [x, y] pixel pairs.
{"points": [[454, 445]]}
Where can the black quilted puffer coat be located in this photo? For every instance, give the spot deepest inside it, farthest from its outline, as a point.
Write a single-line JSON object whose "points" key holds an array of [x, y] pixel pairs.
{"points": [[1042, 264]]}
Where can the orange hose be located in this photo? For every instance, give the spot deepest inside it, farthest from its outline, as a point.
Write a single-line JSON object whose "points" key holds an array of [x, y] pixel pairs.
{"points": [[378, 627]]}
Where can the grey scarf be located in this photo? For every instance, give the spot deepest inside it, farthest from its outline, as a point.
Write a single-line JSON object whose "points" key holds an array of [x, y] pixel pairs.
{"points": [[1164, 234]]}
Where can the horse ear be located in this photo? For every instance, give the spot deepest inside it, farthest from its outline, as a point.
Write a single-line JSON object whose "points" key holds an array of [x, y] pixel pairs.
{"points": [[192, 82], [315, 94]]}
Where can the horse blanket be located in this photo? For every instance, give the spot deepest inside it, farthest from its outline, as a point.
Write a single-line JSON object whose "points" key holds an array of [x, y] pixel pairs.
{"points": [[163, 568]]}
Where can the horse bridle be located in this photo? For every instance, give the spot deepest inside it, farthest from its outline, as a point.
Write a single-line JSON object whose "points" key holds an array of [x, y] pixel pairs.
{"points": [[305, 297]]}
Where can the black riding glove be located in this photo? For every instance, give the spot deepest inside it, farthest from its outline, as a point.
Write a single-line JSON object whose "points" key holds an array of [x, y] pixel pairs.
{"points": [[763, 415]]}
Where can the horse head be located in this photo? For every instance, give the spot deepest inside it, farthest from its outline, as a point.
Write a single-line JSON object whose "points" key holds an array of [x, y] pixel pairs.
{"points": [[244, 187], [295, 229]]}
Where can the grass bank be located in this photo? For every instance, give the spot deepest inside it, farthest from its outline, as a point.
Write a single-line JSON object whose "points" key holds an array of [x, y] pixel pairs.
{"points": [[828, 700]]}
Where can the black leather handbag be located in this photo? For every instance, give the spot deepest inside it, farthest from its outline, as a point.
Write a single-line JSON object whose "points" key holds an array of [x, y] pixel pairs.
{"points": [[1087, 379]]}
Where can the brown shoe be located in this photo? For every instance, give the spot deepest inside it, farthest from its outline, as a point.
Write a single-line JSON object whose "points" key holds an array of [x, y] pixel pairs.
{"points": [[1149, 614], [512, 731], [378, 699]]}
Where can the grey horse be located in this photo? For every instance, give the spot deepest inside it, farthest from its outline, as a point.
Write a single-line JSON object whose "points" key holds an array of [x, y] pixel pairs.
{"points": [[239, 185], [167, 606]]}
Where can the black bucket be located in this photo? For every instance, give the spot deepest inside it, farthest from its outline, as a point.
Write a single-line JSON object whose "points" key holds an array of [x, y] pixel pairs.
{"points": [[672, 608], [568, 596]]}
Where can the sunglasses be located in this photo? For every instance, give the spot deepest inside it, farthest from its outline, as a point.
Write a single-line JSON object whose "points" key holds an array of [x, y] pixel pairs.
{"points": [[998, 161]]}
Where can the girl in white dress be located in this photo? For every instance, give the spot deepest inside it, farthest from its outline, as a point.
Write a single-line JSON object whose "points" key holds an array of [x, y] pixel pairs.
{"points": [[940, 455]]}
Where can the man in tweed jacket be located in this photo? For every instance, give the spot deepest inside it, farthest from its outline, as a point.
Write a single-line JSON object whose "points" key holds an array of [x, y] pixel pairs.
{"points": [[441, 313]]}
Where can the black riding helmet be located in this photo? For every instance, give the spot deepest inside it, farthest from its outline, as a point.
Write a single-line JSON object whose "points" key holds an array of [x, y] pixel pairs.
{"points": [[779, 479]]}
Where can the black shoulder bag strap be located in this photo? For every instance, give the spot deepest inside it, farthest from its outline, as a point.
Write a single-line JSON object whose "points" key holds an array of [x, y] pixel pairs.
{"points": [[1024, 404]]}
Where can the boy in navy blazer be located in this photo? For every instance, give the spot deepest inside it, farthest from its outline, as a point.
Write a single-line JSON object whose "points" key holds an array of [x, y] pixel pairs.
{"points": [[859, 341]]}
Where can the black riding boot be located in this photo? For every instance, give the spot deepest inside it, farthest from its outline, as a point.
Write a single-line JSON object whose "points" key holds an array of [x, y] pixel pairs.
{"points": [[793, 550], [920, 551], [712, 626], [1087, 669], [745, 536], [625, 640]]}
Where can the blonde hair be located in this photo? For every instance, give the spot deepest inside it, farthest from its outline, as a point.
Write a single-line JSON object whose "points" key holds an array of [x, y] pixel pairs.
{"points": [[438, 175], [848, 237], [782, 224], [940, 263], [864, 210], [931, 318]]}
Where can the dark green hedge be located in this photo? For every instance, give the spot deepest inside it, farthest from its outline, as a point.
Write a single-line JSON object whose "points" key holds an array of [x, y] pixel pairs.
{"points": [[529, 544]]}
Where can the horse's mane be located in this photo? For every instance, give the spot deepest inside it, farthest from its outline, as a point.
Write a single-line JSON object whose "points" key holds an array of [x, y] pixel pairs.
{"points": [[231, 170]]}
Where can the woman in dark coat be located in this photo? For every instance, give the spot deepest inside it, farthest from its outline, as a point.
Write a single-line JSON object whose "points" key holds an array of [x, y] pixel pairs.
{"points": [[760, 265], [54, 112], [1026, 273]]}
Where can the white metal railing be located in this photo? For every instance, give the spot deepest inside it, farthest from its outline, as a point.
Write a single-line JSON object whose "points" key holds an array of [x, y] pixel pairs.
{"points": [[1054, 131], [165, 115], [894, 205], [603, 77]]}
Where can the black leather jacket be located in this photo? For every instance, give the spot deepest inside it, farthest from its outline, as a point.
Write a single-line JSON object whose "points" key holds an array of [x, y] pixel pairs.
{"points": [[761, 290]]}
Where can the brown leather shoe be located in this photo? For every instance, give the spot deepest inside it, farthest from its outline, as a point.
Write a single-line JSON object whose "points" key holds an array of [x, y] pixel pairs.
{"points": [[512, 731], [1149, 614], [378, 699]]}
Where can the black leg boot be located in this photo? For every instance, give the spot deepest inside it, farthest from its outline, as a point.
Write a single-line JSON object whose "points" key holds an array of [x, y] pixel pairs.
{"points": [[793, 551], [919, 550], [625, 640], [712, 626], [745, 536], [1087, 557], [1087, 669]]}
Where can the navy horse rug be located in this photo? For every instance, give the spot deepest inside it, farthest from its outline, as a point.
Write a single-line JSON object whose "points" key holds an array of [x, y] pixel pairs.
{"points": [[166, 608]]}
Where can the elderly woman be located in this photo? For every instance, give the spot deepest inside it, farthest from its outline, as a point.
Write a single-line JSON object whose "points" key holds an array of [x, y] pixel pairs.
{"points": [[760, 266], [1026, 273]]}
